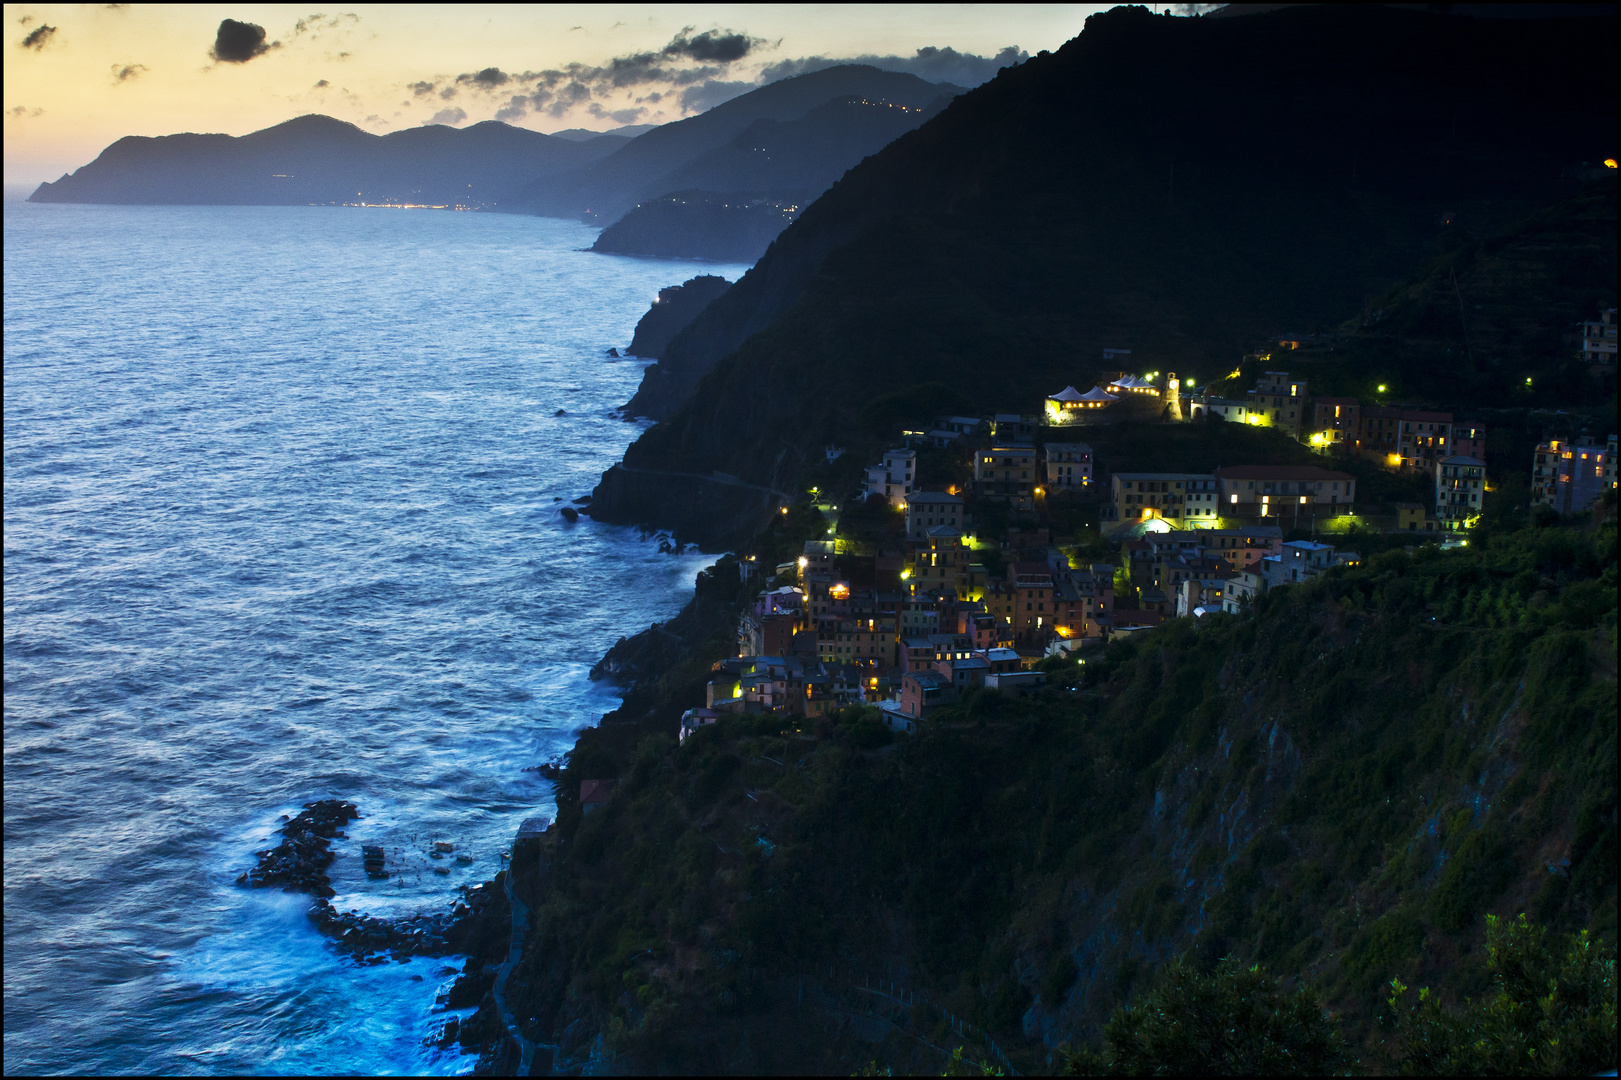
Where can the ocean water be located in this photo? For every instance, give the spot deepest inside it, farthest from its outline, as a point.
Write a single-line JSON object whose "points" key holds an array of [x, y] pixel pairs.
{"points": [[280, 525]]}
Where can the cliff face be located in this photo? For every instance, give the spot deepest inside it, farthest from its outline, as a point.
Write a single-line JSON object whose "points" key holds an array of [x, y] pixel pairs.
{"points": [[700, 225], [675, 307], [1182, 187], [1339, 787]]}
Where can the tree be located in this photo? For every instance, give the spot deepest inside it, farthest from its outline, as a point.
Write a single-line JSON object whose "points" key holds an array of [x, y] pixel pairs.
{"points": [[1551, 1014], [1233, 1022]]}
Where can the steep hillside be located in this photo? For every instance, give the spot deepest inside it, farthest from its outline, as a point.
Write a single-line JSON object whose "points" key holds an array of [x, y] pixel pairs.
{"points": [[734, 200], [1183, 187], [316, 159], [1340, 786], [647, 166]]}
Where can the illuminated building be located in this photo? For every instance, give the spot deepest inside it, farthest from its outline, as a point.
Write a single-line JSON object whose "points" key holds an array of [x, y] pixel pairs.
{"points": [[1179, 498], [892, 478], [1007, 472], [1070, 406], [930, 509], [1460, 485], [1598, 339], [1069, 465], [1569, 476], [1284, 491]]}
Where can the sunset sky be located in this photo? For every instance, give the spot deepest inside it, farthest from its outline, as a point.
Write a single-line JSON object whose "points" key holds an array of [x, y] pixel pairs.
{"points": [[77, 77]]}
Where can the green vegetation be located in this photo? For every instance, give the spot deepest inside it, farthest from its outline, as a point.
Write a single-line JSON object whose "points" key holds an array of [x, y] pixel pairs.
{"points": [[1234, 1022], [1337, 786], [1552, 1014]]}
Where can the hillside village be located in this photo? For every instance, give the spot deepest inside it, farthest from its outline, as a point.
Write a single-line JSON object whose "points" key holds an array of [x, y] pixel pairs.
{"points": [[920, 592]]}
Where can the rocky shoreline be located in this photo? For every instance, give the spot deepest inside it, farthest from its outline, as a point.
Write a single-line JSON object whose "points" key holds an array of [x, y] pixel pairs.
{"points": [[299, 865]]}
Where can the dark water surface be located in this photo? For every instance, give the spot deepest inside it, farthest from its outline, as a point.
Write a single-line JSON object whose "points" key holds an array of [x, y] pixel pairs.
{"points": [[279, 525]]}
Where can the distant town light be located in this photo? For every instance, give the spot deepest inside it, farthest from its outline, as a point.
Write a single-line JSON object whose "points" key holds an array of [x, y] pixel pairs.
{"points": [[1381, 388], [803, 562]]}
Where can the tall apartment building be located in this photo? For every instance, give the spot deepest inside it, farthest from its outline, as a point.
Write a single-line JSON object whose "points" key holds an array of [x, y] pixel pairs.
{"points": [[1007, 471], [1598, 339], [1569, 476], [1182, 499], [1460, 488]]}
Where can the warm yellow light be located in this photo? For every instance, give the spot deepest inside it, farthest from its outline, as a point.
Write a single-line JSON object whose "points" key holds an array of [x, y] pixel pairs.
{"points": [[1528, 382], [905, 574], [785, 509], [1609, 163], [803, 562], [1381, 388]]}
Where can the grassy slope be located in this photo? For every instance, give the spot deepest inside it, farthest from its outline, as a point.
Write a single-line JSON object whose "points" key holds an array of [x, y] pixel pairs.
{"points": [[1339, 786]]}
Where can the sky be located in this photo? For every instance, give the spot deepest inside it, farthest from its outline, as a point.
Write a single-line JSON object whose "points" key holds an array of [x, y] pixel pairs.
{"points": [[79, 77]]}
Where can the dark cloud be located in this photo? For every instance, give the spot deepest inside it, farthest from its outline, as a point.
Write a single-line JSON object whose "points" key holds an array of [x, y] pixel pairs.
{"points": [[449, 116], [488, 79], [690, 60], [322, 85], [515, 109], [931, 63], [23, 112], [123, 73], [696, 99], [712, 45], [238, 42], [39, 37]]}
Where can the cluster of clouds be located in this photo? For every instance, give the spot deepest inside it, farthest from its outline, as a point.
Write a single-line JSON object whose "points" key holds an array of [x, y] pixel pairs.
{"points": [[675, 75], [694, 72]]}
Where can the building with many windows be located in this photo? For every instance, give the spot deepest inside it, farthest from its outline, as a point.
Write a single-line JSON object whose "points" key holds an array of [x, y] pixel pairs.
{"points": [[1178, 498], [1069, 466], [1284, 492], [1460, 486], [1569, 476], [1007, 471]]}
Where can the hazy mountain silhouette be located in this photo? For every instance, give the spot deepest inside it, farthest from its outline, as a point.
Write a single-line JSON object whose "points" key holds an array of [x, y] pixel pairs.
{"points": [[735, 199], [317, 159], [655, 163]]}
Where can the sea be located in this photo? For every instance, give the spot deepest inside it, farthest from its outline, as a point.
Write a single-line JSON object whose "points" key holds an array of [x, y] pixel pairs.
{"points": [[282, 523]]}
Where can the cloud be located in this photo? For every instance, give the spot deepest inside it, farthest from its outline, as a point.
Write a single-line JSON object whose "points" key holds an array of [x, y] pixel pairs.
{"points": [[323, 84], [930, 63], [39, 37], [449, 116], [314, 24], [695, 99], [123, 73], [238, 42], [618, 116], [25, 20], [23, 112], [695, 61], [488, 79]]}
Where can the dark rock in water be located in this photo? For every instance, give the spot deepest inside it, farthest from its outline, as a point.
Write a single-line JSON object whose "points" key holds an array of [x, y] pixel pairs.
{"points": [[614, 353], [570, 513], [299, 862], [583, 499], [675, 307], [557, 498], [560, 412]]}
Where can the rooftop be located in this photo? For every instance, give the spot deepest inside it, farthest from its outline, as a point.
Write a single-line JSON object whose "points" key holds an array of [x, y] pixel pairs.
{"points": [[1280, 472]]}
